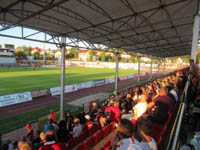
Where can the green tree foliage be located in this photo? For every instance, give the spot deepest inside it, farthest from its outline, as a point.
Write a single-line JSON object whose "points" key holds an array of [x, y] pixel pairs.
{"points": [[25, 49], [20, 54], [74, 51], [102, 56], [90, 55], [134, 59], [69, 56], [109, 58], [36, 55]]}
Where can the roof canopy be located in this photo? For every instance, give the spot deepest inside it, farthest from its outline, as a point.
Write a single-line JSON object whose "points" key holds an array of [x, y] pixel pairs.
{"points": [[160, 28]]}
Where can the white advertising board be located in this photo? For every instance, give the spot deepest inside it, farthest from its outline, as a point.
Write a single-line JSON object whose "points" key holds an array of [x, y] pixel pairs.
{"points": [[130, 76], [68, 88], [15, 98], [111, 80]]}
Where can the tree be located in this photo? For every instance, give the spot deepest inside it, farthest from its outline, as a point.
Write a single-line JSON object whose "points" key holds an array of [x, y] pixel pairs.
{"points": [[74, 51], [91, 55], [109, 58], [36, 55], [20, 54], [69, 56], [102, 56]]}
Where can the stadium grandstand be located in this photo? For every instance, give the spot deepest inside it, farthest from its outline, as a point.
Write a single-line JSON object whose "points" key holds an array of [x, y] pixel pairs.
{"points": [[160, 113]]}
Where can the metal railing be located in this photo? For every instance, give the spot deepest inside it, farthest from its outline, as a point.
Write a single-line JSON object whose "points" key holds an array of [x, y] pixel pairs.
{"points": [[173, 143]]}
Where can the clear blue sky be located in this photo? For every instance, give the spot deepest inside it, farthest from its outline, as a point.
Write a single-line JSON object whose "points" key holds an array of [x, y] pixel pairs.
{"points": [[18, 42]]}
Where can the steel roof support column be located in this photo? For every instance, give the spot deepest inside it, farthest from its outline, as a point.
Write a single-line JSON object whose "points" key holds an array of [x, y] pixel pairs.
{"points": [[164, 66], [158, 67], [63, 43], [116, 72], [195, 38], [151, 68], [139, 62]]}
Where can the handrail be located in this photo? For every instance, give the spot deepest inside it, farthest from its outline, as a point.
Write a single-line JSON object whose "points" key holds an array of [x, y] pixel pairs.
{"points": [[179, 118], [178, 127]]}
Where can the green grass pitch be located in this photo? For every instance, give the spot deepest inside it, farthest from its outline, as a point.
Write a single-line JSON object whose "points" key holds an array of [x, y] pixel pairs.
{"points": [[13, 80]]}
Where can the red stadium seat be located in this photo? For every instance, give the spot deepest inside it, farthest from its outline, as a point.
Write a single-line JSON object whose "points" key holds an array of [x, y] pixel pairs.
{"points": [[79, 147], [112, 126], [96, 138], [91, 141], [96, 127], [71, 143], [106, 130]]}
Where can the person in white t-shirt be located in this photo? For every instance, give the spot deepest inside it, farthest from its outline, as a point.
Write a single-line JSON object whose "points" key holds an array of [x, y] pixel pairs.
{"points": [[145, 127], [124, 139], [141, 107]]}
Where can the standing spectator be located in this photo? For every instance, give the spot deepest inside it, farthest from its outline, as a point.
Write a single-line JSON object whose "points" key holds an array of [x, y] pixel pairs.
{"points": [[69, 120], [52, 115], [164, 98], [49, 126], [29, 129]]}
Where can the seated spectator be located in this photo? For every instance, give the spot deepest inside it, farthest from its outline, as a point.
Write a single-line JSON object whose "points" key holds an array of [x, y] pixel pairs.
{"points": [[124, 137], [4, 146], [173, 92], [103, 121], [36, 140], [10, 145], [62, 133], [77, 128], [49, 126], [15, 145], [50, 143], [141, 107], [25, 146], [42, 138], [29, 129], [145, 127], [88, 124]]}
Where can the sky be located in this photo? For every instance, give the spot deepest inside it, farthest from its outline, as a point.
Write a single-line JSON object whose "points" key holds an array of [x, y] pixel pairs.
{"points": [[18, 42]]}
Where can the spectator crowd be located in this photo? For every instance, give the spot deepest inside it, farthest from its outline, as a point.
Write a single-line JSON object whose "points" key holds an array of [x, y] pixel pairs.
{"points": [[136, 112]]}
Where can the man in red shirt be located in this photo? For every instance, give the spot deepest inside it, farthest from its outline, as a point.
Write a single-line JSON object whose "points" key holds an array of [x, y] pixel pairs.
{"points": [[29, 130], [162, 97]]}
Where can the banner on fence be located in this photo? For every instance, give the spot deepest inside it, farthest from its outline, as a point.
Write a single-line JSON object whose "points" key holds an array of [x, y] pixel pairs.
{"points": [[123, 78], [99, 82], [88, 84], [130, 76], [68, 88], [111, 80], [15, 98]]}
